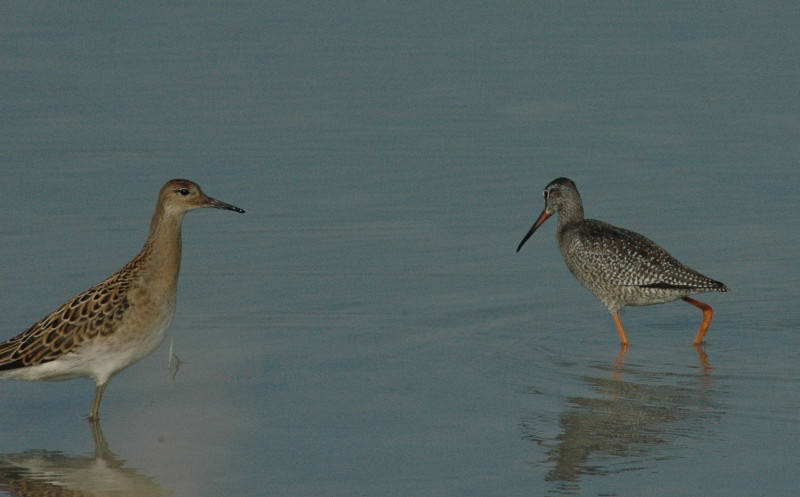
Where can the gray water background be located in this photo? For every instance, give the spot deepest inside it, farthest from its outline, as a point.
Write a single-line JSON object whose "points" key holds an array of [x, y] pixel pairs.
{"points": [[367, 328]]}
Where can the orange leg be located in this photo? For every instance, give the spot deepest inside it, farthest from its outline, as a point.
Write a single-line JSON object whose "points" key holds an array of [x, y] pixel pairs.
{"points": [[708, 313], [620, 330]]}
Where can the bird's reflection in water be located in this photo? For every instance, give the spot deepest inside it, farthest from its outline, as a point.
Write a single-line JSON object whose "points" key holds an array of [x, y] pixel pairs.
{"points": [[52, 473], [628, 425]]}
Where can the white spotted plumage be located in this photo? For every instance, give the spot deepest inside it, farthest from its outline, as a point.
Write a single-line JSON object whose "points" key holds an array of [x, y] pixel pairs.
{"points": [[620, 267]]}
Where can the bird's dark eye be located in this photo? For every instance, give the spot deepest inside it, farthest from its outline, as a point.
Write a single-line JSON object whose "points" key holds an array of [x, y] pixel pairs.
{"points": [[184, 191], [545, 195]]}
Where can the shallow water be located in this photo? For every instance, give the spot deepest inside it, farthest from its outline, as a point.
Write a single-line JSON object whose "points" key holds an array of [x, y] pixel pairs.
{"points": [[367, 328]]}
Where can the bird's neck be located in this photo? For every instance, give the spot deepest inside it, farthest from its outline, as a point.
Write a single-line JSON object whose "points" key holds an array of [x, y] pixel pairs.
{"points": [[570, 214], [161, 255]]}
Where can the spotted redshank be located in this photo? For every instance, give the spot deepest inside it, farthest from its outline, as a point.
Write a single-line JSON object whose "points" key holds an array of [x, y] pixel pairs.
{"points": [[618, 266], [121, 319]]}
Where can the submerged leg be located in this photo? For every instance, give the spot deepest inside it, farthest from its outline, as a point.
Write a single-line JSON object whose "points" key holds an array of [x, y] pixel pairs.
{"points": [[101, 450], [705, 362], [708, 313], [94, 415], [620, 330], [619, 363]]}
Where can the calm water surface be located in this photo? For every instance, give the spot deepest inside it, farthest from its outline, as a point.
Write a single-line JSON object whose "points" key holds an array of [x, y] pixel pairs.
{"points": [[367, 328]]}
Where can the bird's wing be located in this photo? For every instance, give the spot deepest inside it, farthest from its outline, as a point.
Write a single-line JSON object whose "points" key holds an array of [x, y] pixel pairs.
{"points": [[626, 258], [94, 312]]}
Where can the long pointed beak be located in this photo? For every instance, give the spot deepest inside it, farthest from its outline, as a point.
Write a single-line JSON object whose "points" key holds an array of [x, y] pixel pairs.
{"points": [[539, 221], [218, 204]]}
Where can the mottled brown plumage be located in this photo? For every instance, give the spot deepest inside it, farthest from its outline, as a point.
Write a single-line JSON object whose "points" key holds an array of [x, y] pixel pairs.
{"points": [[94, 312], [118, 321], [618, 266]]}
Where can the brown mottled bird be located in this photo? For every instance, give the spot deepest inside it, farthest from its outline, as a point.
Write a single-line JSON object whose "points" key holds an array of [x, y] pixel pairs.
{"points": [[120, 320], [618, 266]]}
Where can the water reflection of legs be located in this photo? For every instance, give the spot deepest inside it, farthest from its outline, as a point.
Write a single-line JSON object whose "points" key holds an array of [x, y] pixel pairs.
{"points": [[53, 472], [619, 363], [629, 419], [705, 362], [618, 366]]}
